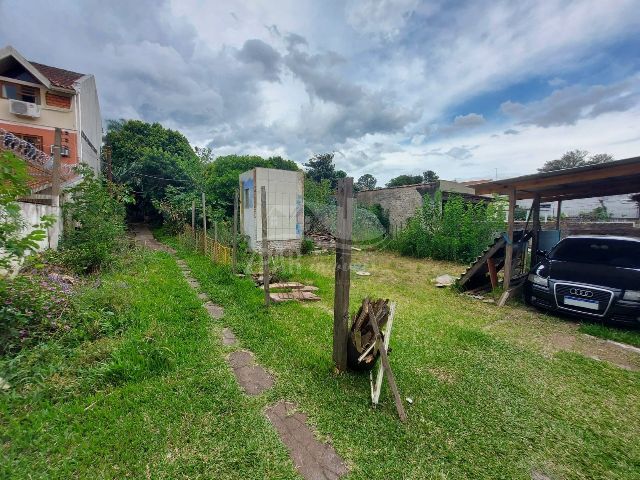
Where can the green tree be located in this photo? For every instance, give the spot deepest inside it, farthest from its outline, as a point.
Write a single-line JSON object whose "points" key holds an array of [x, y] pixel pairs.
{"points": [[148, 158], [366, 182], [14, 243], [430, 176], [575, 158], [221, 176], [404, 180]]}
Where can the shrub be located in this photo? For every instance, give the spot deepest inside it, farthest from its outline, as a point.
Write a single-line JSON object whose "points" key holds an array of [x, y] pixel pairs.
{"points": [[307, 246], [459, 231], [13, 183], [32, 307], [95, 225]]}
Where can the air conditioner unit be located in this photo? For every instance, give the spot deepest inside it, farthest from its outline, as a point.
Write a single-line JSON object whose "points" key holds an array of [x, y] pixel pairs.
{"points": [[64, 151], [25, 109]]}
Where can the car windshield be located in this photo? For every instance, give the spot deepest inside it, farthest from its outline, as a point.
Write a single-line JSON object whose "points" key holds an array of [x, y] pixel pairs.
{"points": [[615, 253]]}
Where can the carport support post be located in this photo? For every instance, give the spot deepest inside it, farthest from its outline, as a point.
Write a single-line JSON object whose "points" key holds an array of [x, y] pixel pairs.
{"points": [[536, 230], [344, 225], [508, 257], [558, 214], [265, 245]]}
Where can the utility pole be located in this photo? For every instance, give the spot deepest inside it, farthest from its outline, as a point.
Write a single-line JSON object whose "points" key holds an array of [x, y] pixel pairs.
{"points": [[55, 174]]}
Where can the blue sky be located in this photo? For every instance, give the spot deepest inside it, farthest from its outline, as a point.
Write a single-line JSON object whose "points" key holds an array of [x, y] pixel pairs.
{"points": [[392, 86]]}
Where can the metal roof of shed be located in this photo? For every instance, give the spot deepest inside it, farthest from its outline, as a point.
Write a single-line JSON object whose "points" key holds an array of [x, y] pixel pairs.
{"points": [[613, 178]]}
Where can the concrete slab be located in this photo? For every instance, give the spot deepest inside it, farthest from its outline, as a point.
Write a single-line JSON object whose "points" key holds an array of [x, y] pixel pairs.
{"points": [[252, 378], [313, 459]]}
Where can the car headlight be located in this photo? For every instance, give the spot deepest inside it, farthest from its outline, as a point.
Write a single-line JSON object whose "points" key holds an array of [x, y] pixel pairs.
{"points": [[632, 295], [538, 280]]}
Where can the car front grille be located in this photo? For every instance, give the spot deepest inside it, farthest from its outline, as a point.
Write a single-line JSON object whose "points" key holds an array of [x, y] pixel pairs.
{"points": [[583, 292]]}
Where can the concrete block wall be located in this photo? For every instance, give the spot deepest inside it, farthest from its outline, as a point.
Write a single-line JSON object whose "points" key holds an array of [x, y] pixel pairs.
{"points": [[400, 202]]}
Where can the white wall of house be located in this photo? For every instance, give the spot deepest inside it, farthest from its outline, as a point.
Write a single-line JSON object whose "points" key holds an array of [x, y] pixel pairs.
{"points": [[89, 122], [33, 212]]}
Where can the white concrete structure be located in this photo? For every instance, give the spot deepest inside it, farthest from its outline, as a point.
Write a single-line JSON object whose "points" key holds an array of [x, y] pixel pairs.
{"points": [[285, 208]]}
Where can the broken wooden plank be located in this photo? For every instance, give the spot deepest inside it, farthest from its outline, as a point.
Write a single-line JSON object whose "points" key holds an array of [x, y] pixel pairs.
{"points": [[279, 297]]}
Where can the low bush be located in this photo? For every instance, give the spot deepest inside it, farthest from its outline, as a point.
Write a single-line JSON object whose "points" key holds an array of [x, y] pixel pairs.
{"points": [[307, 246], [458, 231], [95, 219]]}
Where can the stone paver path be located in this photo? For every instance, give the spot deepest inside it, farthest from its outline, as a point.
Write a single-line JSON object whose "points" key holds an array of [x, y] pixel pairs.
{"points": [[313, 459], [252, 377]]}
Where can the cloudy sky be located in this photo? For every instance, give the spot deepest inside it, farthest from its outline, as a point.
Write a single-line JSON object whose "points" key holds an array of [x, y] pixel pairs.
{"points": [[392, 86]]}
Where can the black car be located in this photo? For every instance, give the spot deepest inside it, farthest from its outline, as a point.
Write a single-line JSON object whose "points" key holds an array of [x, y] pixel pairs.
{"points": [[594, 277]]}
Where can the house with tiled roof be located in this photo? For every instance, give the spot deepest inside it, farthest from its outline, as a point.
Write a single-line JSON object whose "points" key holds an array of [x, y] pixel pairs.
{"points": [[35, 99]]}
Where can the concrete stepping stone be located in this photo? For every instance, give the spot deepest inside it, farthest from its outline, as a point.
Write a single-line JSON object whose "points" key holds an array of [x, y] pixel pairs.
{"points": [[228, 338], [252, 378], [203, 296], [313, 459], [215, 311], [193, 283]]}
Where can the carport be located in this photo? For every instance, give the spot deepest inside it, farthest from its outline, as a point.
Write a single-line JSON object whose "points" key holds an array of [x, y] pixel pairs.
{"points": [[614, 178]]}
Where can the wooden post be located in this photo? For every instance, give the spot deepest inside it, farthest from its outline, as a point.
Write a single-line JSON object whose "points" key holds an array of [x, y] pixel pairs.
{"points": [[493, 273], [558, 214], [508, 258], [204, 224], [55, 174], [265, 244], [536, 230], [344, 224], [234, 260], [193, 218]]}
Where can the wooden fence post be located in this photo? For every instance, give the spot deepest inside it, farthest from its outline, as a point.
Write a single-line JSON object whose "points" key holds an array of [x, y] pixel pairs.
{"points": [[265, 245], [234, 253], [204, 225], [193, 218], [344, 224], [55, 174]]}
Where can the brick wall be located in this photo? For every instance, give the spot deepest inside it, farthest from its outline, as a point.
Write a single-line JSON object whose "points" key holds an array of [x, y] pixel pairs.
{"points": [[400, 202], [280, 247], [59, 101]]}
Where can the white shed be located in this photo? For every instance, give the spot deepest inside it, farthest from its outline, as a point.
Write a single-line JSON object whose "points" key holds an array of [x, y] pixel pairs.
{"points": [[285, 208]]}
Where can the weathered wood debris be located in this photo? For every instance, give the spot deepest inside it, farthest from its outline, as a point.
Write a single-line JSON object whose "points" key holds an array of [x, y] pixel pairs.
{"points": [[362, 348]]}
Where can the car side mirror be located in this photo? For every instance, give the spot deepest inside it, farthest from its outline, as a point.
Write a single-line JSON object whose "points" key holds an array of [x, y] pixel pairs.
{"points": [[542, 253]]}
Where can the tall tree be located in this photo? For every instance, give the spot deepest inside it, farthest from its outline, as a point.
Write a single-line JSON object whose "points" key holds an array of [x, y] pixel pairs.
{"points": [[404, 180], [430, 176], [366, 182], [320, 167], [575, 158], [148, 158]]}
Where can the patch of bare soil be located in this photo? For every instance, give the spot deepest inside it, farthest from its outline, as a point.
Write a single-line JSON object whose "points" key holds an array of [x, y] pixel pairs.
{"points": [[551, 335]]}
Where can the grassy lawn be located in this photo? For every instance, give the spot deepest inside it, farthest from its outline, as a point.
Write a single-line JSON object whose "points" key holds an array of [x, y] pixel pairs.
{"points": [[491, 397], [156, 401], [488, 401]]}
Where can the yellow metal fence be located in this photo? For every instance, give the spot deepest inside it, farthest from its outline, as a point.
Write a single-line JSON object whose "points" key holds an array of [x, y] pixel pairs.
{"points": [[217, 252]]}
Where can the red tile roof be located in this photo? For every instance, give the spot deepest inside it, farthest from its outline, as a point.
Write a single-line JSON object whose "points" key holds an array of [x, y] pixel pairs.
{"points": [[57, 76]]}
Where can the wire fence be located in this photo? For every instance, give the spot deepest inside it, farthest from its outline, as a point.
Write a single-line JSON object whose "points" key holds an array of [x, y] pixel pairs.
{"points": [[196, 240]]}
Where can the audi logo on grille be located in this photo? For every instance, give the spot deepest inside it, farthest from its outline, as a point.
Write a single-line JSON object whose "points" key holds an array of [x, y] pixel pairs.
{"points": [[581, 293]]}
